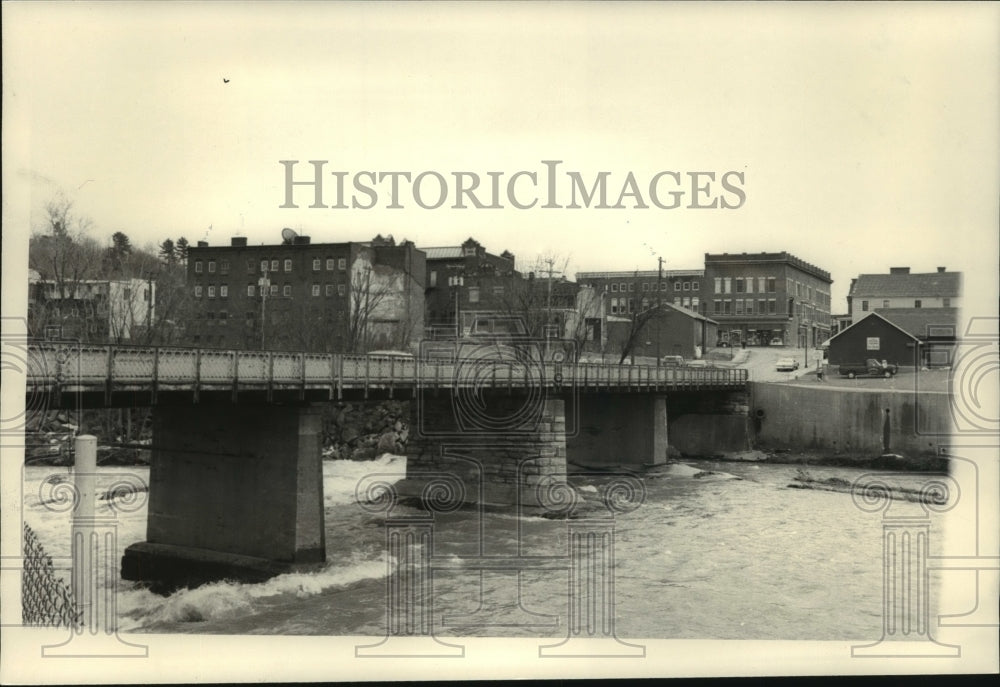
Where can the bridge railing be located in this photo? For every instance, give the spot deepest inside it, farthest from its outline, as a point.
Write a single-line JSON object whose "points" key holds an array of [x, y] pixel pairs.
{"points": [[112, 366]]}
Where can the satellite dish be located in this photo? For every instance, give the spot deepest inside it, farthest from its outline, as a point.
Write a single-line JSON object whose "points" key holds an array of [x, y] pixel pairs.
{"points": [[288, 234]]}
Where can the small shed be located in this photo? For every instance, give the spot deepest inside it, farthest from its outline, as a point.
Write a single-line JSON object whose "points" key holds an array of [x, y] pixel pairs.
{"points": [[874, 337]]}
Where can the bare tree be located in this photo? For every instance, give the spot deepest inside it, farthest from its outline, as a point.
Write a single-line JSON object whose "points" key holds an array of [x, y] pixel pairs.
{"points": [[367, 293]]}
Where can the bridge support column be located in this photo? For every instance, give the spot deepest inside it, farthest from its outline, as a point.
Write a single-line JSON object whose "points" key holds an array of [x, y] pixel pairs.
{"points": [[235, 492], [619, 429], [502, 451]]}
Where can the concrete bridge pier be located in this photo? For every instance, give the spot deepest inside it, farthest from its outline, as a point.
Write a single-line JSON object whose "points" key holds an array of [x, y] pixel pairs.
{"points": [[235, 492], [501, 449], [619, 429]]}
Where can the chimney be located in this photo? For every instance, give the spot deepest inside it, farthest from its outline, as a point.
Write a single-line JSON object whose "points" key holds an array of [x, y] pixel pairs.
{"points": [[203, 244], [239, 241], [899, 270], [940, 269], [301, 241]]}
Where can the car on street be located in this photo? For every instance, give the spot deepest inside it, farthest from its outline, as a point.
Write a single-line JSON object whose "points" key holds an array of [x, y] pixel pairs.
{"points": [[786, 365], [869, 368], [672, 360]]}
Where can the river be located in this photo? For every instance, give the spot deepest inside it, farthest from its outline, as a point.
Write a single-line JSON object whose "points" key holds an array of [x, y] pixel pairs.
{"points": [[715, 551]]}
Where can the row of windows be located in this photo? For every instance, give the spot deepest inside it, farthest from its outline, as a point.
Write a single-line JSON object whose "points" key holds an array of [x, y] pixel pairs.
{"points": [[285, 290], [223, 266], [271, 265], [745, 284], [623, 287], [917, 303], [745, 306]]}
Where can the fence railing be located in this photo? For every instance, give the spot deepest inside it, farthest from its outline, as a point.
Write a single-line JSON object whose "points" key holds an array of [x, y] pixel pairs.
{"points": [[45, 599], [112, 367]]}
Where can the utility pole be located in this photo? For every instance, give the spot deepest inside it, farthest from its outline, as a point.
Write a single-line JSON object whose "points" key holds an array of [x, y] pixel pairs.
{"points": [[659, 291], [265, 285]]}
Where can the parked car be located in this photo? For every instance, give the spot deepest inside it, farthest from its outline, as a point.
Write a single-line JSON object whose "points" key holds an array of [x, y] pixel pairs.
{"points": [[869, 368], [672, 360], [786, 365], [777, 342]]}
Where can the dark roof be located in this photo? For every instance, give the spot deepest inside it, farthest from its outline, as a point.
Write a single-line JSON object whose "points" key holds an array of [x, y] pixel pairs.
{"points": [[871, 314], [690, 313], [917, 320], [929, 284]]}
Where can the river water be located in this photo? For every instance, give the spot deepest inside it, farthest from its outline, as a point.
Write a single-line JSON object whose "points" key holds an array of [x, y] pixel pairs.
{"points": [[714, 551]]}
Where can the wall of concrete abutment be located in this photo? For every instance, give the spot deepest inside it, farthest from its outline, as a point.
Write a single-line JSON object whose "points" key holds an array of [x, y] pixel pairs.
{"points": [[849, 421]]}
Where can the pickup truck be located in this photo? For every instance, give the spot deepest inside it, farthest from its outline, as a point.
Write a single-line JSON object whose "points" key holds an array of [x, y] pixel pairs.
{"points": [[869, 368]]}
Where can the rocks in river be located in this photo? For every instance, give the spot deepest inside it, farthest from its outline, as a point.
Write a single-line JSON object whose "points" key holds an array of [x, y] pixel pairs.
{"points": [[362, 431]]}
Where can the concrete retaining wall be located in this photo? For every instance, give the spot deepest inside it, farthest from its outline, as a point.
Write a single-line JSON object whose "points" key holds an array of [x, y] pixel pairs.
{"points": [[848, 421]]}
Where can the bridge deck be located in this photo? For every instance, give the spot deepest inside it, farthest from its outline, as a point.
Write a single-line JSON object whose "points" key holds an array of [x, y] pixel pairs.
{"points": [[55, 368]]}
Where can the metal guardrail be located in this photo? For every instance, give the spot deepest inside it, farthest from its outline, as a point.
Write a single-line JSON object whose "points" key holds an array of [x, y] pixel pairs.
{"points": [[54, 366]]}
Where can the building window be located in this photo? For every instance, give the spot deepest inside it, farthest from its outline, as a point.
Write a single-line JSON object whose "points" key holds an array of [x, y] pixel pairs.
{"points": [[717, 307], [771, 285], [197, 291], [917, 303], [223, 318], [622, 287], [315, 289], [224, 267], [316, 264], [864, 306], [288, 264], [470, 250], [727, 285], [749, 284], [631, 287], [328, 289], [946, 302], [274, 265], [263, 265], [687, 286], [210, 317], [250, 290], [760, 284], [645, 286], [340, 289], [740, 288], [614, 288], [885, 304], [749, 306], [761, 306], [695, 286], [211, 266], [498, 290], [274, 291], [286, 290], [718, 284], [342, 264], [224, 291], [677, 300], [727, 307], [473, 293], [772, 306], [631, 305], [739, 306], [330, 264], [250, 266], [434, 278], [197, 266], [694, 303], [687, 301], [211, 292]]}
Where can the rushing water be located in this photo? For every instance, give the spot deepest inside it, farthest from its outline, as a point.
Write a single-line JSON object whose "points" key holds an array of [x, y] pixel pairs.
{"points": [[715, 551]]}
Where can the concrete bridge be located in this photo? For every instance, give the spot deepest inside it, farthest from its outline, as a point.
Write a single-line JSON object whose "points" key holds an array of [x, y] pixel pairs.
{"points": [[236, 477]]}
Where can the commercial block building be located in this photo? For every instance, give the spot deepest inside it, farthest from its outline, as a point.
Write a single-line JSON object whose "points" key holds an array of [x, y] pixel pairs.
{"points": [[765, 299], [299, 295], [91, 310], [903, 289]]}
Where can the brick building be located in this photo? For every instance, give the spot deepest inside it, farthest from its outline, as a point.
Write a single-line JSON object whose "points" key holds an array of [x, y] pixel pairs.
{"points": [[767, 299], [299, 295], [91, 310], [629, 291]]}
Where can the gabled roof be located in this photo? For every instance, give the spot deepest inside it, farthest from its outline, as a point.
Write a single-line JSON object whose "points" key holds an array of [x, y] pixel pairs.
{"points": [[917, 321], [929, 285], [690, 313], [869, 315]]}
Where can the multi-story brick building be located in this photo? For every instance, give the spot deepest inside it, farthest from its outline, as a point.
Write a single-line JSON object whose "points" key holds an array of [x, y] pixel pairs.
{"points": [[299, 295], [901, 289], [767, 299], [626, 292], [466, 282], [91, 310]]}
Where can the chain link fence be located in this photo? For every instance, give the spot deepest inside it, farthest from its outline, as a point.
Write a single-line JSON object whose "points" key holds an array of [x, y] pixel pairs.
{"points": [[45, 599]]}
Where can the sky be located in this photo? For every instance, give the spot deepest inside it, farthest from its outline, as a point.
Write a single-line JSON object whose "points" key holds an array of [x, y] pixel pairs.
{"points": [[866, 136]]}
